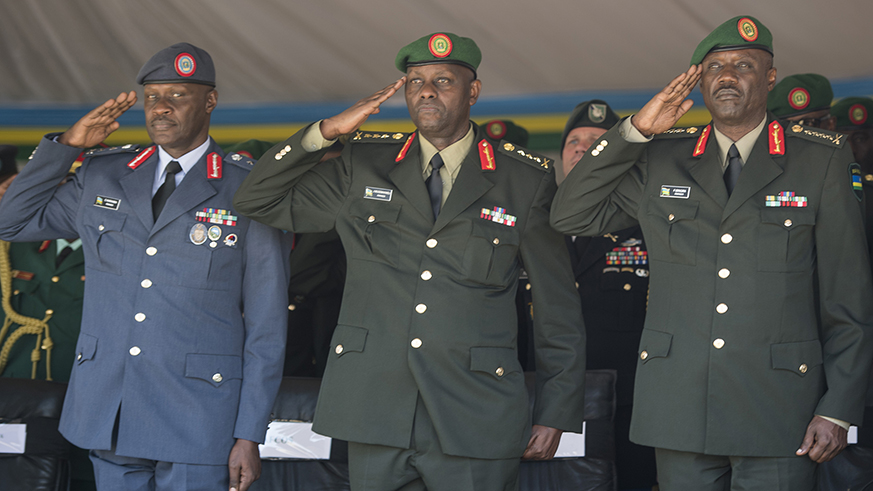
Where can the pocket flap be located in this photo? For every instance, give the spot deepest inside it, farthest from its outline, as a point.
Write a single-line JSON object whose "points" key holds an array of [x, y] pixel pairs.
{"points": [[673, 210], [214, 369], [349, 338], [796, 357], [86, 347], [788, 217], [375, 211], [105, 222], [496, 361], [496, 233], [654, 344]]}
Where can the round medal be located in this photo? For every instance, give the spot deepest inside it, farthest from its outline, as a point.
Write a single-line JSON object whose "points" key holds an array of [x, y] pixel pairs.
{"points": [[230, 240], [197, 234], [214, 232]]}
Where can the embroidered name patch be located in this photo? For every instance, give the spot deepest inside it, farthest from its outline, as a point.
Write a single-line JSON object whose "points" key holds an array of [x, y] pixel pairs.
{"points": [[108, 203], [786, 198], [380, 194], [498, 215], [621, 256], [221, 217], [681, 192]]}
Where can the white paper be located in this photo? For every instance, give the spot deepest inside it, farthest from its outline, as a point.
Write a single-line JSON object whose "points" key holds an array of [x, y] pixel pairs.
{"points": [[853, 435], [572, 444], [12, 438], [294, 440]]}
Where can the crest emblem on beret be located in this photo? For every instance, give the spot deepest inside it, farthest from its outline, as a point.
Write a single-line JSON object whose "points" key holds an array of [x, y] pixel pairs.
{"points": [[496, 130], [185, 64], [798, 98], [440, 45], [748, 30], [858, 114], [597, 113]]}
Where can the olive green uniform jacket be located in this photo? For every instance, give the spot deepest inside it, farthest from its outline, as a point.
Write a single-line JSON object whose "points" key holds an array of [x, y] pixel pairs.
{"points": [[428, 306], [733, 360]]}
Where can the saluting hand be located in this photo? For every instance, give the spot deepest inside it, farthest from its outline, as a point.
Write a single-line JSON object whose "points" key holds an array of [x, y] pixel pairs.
{"points": [[664, 110], [95, 126], [355, 116]]}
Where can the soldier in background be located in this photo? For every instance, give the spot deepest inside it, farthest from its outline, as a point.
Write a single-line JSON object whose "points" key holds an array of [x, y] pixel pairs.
{"points": [[804, 99]]}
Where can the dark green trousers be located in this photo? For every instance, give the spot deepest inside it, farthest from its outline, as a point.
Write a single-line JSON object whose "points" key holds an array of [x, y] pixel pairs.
{"points": [[424, 466]]}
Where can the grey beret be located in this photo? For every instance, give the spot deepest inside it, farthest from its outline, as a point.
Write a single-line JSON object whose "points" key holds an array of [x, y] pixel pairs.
{"points": [[181, 62]]}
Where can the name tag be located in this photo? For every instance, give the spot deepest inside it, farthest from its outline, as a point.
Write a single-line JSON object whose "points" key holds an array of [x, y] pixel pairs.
{"points": [[681, 192], [294, 440], [12, 438], [108, 203], [380, 194], [572, 444]]}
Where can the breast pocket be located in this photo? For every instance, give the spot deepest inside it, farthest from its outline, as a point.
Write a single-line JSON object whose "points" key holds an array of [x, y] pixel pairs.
{"points": [[624, 299], [786, 240], [672, 230], [378, 235], [103, 240], [491, 256]]}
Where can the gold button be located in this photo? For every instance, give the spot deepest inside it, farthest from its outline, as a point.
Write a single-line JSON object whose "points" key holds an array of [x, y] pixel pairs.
{"points": [[101, 227], [135, 351], [595, 152], [718, 343], [868, 177], [146, 283], [416, 343], [577, 284], [671, 217], [495, 241], [724, 273], [278, 156], [217, 378], [287, 148], [151, 251], [604, 143], [627, 287], [213, 244], [16, 292], [803, 368], [644, 355], [83, 278], [426, 275], [339, 349], [56, 279], [788, 222], [721, 308], [527, 286], [292, 307], [140, 317], [499, 371], [599, 148], [49, 312], [431, 243], [727, 238], [421, 308], [371, 218], [79, 356]]}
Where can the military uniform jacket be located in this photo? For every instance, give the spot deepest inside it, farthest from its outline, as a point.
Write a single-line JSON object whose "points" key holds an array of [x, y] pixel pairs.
{"points": [[428, 305], [733, 360], [163, 342]]}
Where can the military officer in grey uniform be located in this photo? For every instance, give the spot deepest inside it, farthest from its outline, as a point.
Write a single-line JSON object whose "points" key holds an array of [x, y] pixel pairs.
{"points": [[739, 384], [172, 385], [423, 378]]}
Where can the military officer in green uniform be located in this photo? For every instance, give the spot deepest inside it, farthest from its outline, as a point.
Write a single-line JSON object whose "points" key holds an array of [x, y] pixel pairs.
{"points": [[740, 384], [804, 99], [423, 378]]}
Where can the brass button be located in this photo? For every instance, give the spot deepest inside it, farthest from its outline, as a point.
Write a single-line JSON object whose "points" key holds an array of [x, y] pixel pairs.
{"points": [[644, 355], [724, 273], [79, 356], [49, 312], [83, 278], [788, 222], [577, 284], [431, 243], [101, 227], [135, 351], [339, 349], [727, 238], [416, 343], [426, 275], [146, 283], [718, 343], [671, 217], [151, 251], [604, 143], [56, 279], [213, 244], [721, 308], [15, 292], [527, 286], [278, 156], [499, 371], [627, 287], [140, 317], [292, 307], [595, 152], [287, 148], [421, 308], [495, 241], [599, 148], [371, 218], [217, 378], [803, 368]]}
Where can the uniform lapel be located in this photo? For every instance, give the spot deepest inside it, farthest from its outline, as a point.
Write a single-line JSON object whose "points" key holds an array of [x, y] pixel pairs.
{"points": [[758, 172], [194, 188], [407, 176], [707, 172], [469, 186], [137, 188], [76, 258], [596, 249]]}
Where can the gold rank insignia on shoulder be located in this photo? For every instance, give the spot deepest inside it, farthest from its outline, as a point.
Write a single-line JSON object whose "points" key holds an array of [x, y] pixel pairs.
{"points": [[818, 135], [360, 136], [679, 132], [526, 156]]}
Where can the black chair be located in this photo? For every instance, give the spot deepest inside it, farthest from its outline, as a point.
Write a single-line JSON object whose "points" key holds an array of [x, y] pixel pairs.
{"points": [[45, 463]]}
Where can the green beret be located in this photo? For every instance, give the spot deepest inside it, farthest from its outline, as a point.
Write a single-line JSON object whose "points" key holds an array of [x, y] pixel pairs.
{"points": [[594, 113], [800, 94], [250, 148], [504, 129], [180, 63], [441, 47], [743, 32], [853, 112]]}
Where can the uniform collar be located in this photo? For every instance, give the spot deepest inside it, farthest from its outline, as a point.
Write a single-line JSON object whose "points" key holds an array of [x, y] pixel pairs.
{"points": [[187, 161], [744, 144], [452, 155]]}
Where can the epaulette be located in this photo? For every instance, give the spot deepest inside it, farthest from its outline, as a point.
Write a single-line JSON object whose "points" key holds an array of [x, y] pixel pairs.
{"points": [[376, 136], [239, 160], [519, 153], [130, 147], [817, 135], [691, 131]]}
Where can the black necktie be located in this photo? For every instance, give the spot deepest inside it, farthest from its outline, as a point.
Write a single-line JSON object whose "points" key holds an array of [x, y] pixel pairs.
{"points": [[435, 185], [166, 189], [66, 251], [732, 173]]}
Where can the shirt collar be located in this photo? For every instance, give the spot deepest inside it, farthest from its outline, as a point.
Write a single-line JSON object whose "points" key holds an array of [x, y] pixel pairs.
{"points": [[744, 144], [186, 161], [62, 243], [452, 155]]}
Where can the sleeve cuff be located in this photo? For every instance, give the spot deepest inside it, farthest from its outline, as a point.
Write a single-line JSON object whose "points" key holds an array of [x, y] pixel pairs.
{"points": [[313, 140], [844, 425], [631, 134]]}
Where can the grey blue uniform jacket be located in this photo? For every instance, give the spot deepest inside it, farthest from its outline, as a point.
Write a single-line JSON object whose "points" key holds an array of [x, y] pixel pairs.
{"points": [[428, 305], [734, 358], [163, 342]]}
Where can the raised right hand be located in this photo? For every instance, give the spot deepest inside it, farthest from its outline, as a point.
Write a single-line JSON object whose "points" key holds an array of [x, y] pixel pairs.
{"points": [[664, 110], [355, 116], [95, 126]]}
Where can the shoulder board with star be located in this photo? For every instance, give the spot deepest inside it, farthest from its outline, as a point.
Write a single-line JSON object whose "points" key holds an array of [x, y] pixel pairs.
{"points": [[816, 134], [545, 164], [129, 148], [239, 160], [691, 131], [378, 136]]}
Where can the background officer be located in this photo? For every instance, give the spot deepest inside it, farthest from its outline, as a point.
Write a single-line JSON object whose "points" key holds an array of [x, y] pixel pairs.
{"points": [[804, 99], [435, 225], [172, 386], [739, 379]]}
